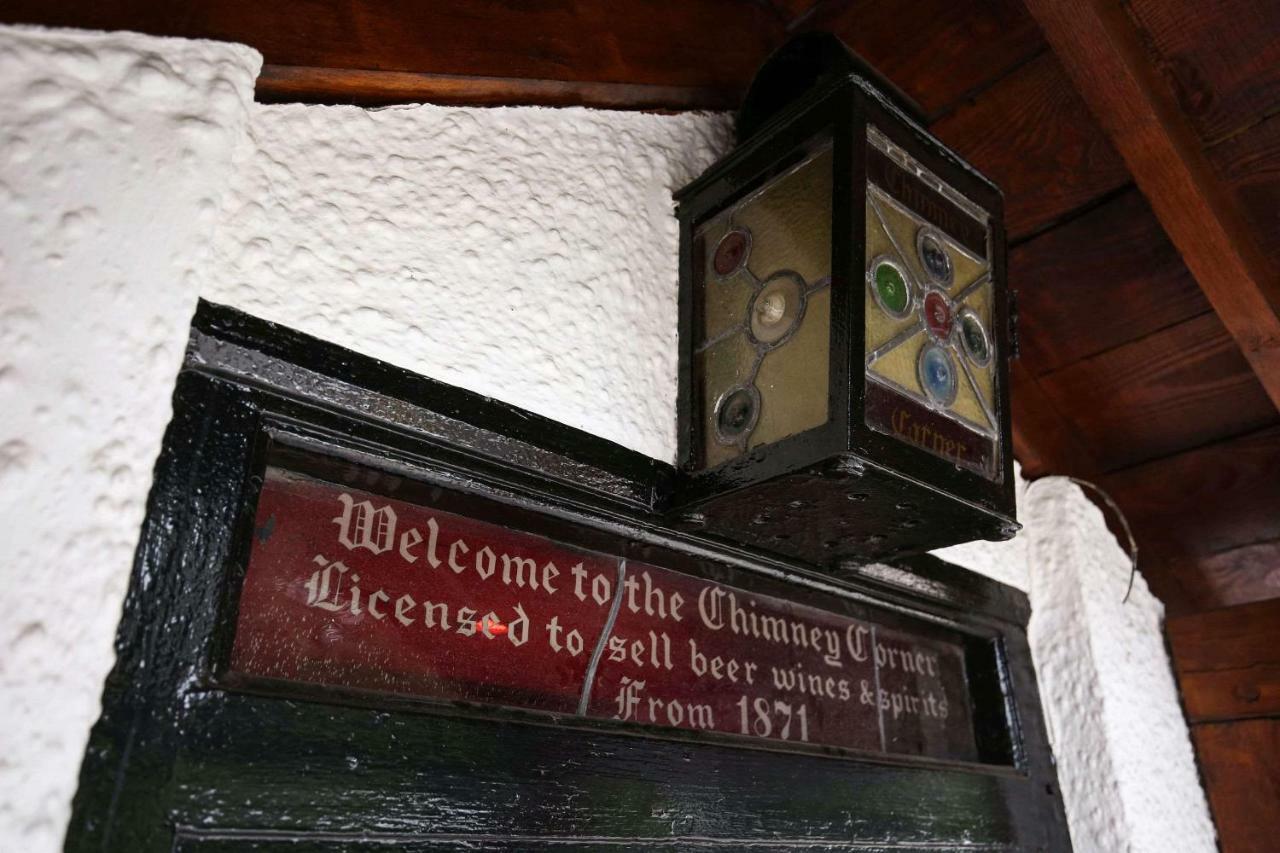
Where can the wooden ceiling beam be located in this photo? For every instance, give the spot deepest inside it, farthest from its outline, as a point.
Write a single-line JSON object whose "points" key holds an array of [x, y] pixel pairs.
{"points": [[662, 54], [369, 88], [1033, 135], [1100, 48]]}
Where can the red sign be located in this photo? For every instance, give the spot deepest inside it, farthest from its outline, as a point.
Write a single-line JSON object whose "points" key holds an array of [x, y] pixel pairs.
{"points": [[894, 413], [351, 589]]}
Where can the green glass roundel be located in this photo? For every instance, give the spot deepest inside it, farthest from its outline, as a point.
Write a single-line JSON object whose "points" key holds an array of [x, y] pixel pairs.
{"points": [[891, 288]]}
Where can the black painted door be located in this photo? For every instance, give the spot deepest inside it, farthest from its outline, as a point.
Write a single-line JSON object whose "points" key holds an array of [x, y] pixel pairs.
{"points": [[185, 759]]}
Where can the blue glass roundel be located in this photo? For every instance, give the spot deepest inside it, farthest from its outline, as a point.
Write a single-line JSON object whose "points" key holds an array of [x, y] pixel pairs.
{"points": [[937, 372]]}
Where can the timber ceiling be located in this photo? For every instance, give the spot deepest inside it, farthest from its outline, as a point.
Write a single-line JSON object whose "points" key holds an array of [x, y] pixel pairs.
{"points": [[1135, 142]]}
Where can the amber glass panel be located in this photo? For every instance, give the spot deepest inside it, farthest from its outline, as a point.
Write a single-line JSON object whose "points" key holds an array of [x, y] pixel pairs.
{"points": [[762, 293], [802, 363]]}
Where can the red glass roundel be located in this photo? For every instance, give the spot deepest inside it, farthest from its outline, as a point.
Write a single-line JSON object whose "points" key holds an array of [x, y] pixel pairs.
{"points": [[937, 315], [731, 253]]}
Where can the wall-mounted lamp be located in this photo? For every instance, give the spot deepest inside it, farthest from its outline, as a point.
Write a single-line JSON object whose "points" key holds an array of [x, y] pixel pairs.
{"points": [[844, 325]]}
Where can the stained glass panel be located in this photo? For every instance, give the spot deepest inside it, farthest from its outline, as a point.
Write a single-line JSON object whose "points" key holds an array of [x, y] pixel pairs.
{"points": [[761, 361], [930, 354]]}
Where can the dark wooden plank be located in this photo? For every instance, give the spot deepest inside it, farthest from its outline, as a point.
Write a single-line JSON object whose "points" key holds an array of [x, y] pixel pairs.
{"points": [[1241, 766], [1180, 387], [1181, 579], [428, 773], [1231, 638], [704, 46], [1210, 499], [1032, 135], [1188, 508], [1098, 281], [793, 11], [289, 83], [1101, 50], [1249, 164], [937, 51], [1174, 575], [1221, 59], [1231, 694], [1043, 441], [248, 842]]}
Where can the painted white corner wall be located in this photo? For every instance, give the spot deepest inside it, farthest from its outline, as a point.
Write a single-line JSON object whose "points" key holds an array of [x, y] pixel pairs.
{"points": [[114, 154], [503, 250], [1125, 759]]}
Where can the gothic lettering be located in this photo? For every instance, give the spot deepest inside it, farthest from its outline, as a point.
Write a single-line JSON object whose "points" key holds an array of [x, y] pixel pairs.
{"points": [[425, 602]]}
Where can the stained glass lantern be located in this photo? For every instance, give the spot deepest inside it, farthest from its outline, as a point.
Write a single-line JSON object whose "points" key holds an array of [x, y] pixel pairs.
{"points": [[844, 325]]}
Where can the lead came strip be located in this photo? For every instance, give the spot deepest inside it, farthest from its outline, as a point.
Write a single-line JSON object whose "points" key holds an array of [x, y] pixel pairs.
{"points": [[590, 679]]}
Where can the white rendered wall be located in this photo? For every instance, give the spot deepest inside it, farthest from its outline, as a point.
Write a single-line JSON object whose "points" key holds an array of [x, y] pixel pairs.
{"points": [[115, 151], [1125, 760], [502, 250]]}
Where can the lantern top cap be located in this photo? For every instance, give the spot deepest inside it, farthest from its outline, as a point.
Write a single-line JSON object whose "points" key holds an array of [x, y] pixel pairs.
{"points": [[804, 63]]}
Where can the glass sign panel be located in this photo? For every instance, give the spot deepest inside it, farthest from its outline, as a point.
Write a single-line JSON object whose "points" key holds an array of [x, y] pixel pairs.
{"points": [[346, 588]]}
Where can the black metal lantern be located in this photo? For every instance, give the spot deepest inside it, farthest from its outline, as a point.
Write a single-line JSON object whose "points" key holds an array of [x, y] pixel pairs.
{"points": [[844, 325]]}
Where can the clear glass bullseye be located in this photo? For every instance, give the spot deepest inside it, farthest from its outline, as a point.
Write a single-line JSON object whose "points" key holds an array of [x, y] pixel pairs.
{"points": [[771, 309], [777, 308]]}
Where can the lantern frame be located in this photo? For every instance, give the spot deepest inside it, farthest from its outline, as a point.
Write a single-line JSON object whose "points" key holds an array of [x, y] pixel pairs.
{"points": [[942, 502]]}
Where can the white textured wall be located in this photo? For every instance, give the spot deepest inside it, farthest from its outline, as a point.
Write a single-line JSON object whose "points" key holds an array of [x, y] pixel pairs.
{"points": [[501, 250], [1125, 759], [114, 154]]}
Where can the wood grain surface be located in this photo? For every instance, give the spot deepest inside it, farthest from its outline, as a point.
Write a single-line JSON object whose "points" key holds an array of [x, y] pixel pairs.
{"points": [[1032, 134], [1221, 59], [1182, 386]]}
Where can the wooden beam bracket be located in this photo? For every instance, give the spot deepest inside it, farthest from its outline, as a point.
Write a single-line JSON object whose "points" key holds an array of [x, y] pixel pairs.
{"points": [[1100, 48]]}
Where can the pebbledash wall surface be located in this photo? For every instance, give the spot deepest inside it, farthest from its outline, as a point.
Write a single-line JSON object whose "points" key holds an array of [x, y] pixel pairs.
{"points": [[528, 254]]}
